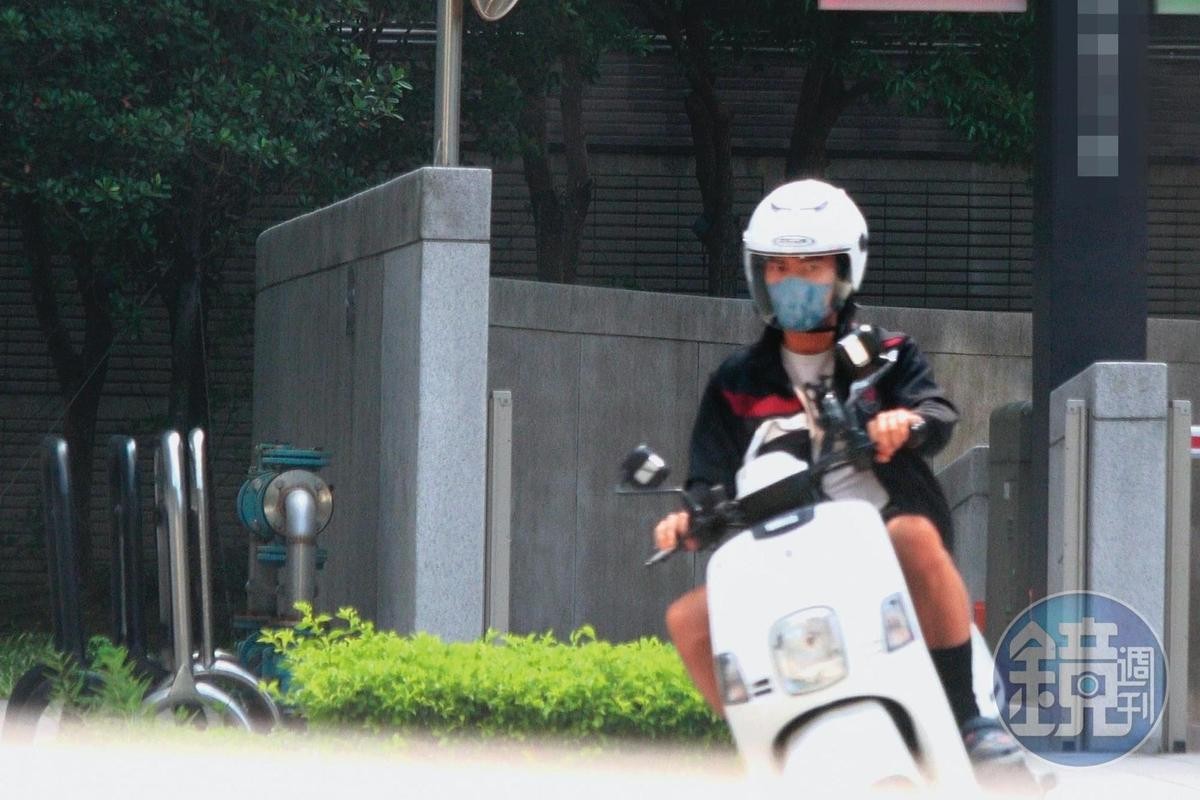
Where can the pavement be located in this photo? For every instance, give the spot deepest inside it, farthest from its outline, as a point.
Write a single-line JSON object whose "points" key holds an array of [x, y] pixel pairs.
{"points": [[102, 761]]}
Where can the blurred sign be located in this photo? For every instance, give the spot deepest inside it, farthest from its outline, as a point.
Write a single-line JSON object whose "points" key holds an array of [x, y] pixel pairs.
{"points": [[922, 5], [1196, 441], [1177, 6]]}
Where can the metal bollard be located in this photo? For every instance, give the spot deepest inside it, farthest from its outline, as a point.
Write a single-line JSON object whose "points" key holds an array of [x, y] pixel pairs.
{"points": [[126, 510], [172, 482], [182, 689], [199, 501], [60, 547]]}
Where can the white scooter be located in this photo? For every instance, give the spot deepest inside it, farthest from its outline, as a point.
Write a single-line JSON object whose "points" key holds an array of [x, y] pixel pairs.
{"points": [[824, 673]]}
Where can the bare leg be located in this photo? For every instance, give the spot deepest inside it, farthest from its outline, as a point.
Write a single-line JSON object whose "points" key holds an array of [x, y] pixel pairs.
{"points": [[687, 623], [938, 592]]}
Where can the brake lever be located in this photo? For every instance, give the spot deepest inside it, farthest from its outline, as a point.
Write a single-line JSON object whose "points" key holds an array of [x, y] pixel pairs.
{"points": [[660, 556], [699, 517]]}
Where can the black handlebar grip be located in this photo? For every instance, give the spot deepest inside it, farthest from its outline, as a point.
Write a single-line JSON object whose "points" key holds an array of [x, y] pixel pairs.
{"points": [[917, 433]]}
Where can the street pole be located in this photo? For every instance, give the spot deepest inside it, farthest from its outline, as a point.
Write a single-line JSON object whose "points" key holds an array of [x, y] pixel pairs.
{"points": [[447, 82], [1089, 210]]}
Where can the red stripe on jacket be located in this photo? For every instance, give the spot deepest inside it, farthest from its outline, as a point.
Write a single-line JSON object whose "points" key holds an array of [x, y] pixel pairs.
{"points": [[749, 405]]}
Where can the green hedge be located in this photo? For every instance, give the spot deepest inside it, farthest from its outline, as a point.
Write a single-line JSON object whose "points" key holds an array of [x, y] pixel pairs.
{"points": [[347, 673], [20, 652]]}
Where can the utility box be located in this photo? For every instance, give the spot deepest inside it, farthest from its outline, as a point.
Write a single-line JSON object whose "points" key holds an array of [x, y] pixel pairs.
{"points": [[1011, 553]]}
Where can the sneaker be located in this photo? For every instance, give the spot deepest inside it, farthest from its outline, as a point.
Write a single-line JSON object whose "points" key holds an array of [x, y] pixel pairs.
{"points": [[988, 741], [997, 758]]}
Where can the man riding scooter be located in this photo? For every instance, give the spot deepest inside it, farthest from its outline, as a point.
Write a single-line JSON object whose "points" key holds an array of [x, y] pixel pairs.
{"points": [[805, 253]]}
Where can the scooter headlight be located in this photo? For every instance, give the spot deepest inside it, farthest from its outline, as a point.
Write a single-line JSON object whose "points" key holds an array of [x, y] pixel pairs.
{"points": [[729, 680], [808, 650], [897, 631]]}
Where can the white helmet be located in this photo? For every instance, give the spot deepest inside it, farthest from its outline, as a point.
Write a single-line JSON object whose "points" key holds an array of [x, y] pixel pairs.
{"points": [[805, 218]]}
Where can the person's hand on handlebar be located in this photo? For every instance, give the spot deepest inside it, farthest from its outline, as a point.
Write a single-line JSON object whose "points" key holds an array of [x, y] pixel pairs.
{"points": [[889, 430], [672, 532]]}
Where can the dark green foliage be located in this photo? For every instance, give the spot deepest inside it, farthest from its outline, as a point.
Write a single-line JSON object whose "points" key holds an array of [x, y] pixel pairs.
{"points": [[123, 117], [19, 653], [529, 53], [109, 688], [137, 136], [976, 70], [348, 674]]}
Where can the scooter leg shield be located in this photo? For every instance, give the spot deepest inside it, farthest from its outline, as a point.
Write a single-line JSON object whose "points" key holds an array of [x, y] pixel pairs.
{"points": [[856, 743]]}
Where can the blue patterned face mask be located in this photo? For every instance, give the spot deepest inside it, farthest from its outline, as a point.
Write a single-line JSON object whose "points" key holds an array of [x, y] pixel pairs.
{"points": [[800, 305]]}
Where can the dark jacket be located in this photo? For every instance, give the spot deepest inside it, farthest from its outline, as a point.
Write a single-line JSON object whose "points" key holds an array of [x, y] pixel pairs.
{"points": [[752, 385]]}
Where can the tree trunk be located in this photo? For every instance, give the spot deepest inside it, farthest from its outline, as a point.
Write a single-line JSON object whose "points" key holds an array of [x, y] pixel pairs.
{"points": [[823, 98], [578, 196], [813, 121], [539, 178], [188, 394], [824, 95], [81, 375], [718, 230], [711, 124]]}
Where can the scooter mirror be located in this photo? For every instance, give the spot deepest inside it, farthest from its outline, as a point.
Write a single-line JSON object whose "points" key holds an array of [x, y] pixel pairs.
{"points": [[643, 469]]}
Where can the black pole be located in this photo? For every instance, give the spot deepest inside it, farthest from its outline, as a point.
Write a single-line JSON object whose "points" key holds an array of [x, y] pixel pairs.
{"points": [[60, 547], [125, 503], [1089, 209]]}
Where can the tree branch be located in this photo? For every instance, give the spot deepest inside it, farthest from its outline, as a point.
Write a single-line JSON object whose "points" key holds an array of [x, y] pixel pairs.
{"points": [[67, 363], [579, 177]]}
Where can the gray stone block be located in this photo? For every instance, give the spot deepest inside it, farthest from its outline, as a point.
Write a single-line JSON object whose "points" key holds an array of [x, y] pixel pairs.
{"points": [[306, 368], [1005, 440], [431, 203], [372, 341], [1009, 533], [399, 438], [1125, 515], [966, 476], [1113, 390], [965, 484], [451, 439]]}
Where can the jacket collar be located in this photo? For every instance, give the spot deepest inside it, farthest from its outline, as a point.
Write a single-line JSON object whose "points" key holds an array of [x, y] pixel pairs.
{"points": [[765, 356]]}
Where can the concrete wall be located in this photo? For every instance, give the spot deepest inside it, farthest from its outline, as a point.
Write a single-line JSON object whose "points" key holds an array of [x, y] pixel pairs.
{"points": [[371, 342], [594, 372], [1177, 342]]}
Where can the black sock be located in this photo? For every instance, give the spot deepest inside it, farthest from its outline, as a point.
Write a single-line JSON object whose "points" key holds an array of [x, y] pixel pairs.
{"points": [[953, 665]]}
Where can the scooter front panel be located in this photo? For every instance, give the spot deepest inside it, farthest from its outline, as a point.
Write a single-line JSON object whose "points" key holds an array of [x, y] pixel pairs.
{"points": [[841, 560]]}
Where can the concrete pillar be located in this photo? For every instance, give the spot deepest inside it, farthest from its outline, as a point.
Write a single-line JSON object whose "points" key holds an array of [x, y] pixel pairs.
{"points": [[1010, 536], [1122, 505], [371, 341], [965, 484]]}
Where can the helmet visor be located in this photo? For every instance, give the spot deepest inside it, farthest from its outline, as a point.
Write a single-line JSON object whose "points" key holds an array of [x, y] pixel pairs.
{"points": [[756, 280]]}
